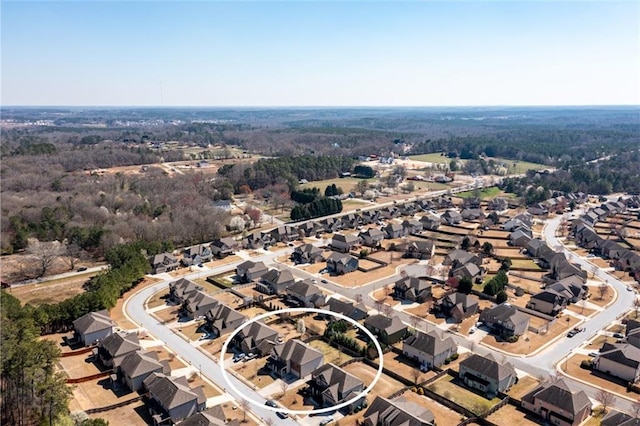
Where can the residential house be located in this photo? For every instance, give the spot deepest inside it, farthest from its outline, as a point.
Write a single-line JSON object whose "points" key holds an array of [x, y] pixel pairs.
{"points": [[357, 312], [408, 209], [307, 253], [371, 237], [93, 327], [251, 271], [632, 333], [257, 337], [296, 358], [351, 220], [173, 399], [611, 249], [222, 319], [394, 230], [471, 203], [430, 222], [197, 304], [224, 247], [411, 226], [556, 403], [275, 281], [457, 306], [564, 269], [390, 212], [498, 203], [309, 228], [331, 224], [616, 418], [520, 237], [444, 202], [179, 289], [505, 320], [535, 247], [397, 412], [419, 249], [113, 348], [513, 224], [256, 240], [370, 216], [621, 360], [469, 270], [451, 217], [487, 375], [538, 210], [428, 349], [548, 302], [137, 366], [344, 243], [629, 261], [163, 262], [213, 416], [413, 288], [571, 287], [196, 255], [306, 294], [340, 263], [472, 214], [332, 386], [284, 234], [388, 330], [458, 257]]}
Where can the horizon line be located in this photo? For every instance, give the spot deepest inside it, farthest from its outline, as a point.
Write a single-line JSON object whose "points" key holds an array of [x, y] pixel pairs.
{"points": [[325, 106]]}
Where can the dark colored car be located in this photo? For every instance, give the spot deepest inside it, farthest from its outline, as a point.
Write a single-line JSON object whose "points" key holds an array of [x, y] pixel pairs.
{"points": [[82, 269], [270, 403]]}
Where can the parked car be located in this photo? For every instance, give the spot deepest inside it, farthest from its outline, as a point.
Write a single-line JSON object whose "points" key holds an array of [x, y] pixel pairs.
{"points": [[326, 421], [629, 288], [250, 356], [472, 330], [82, 269], [618, 335], [282, 415], [239, 357], [593, 353], [572, 333], [270, 403]]}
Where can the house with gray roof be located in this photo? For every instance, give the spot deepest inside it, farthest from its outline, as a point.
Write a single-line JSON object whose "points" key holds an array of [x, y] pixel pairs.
{"points": [[196, 255], [307, 253], [498, 203], [197, 304], [505, 320], [172, 398], [284, 234], [251, 271], [411, 226], [418, 249], [344, 243], [213, 416], [428, 349], [616, 418], [457, 306], [388, 330], [472, 214], [224, 247], [180, 289], [257, 337], [620, 360], [332, 385], [306, 294], [469, 270], [571, 287], [357, 312], [556, 403], [371, 237], [113, 348], [163, 262], [430, 222], [520, 237], [412, 288], [549, 302], [296, 358], [137, 366], [223, 319], [394, 230], [275, 281], [487, 375], [460, 257], [451, 217], [341, 263], [309, 228], [397, 412], [93, 327]]}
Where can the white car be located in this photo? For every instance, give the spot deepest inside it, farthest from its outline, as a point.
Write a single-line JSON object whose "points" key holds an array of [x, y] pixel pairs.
{"points": [[472, 330], [326, 421]]}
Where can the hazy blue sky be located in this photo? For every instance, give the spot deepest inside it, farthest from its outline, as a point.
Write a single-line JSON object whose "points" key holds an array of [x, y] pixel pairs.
{"points": [[320, 53]]}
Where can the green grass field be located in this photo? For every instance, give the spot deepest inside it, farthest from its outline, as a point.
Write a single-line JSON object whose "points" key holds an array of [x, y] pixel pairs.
{"points": [[347, 184], [485, 193], [513, 166], [431, 158]]}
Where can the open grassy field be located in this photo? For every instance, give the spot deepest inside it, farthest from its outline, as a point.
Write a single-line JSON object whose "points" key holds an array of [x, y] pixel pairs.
{"points": [[484, 194], [52, 291], [331, 354], [435, 157], [513, 166], [473, 402], [347, 184]]}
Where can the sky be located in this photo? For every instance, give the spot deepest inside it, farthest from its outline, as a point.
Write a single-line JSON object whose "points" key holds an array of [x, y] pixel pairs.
{"points": [[324, 53]]}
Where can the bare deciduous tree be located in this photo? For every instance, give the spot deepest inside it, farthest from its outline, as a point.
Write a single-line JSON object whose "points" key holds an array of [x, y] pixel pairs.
{"points": [[605, 398], [244, 406], [603, 290], [283, 387], [359, 298], [635, 409], [45, 253], [387, 310], [415, 375]]}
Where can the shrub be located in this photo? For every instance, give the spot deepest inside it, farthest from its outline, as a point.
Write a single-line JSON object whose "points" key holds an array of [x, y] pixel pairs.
{"points": [[513, 339], [420, 391], [586, 364], [455, 356]]}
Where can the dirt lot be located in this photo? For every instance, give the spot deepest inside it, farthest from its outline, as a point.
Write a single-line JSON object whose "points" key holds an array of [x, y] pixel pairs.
{"points": [[525, 385], [180, 272], [595, 298], [254, 372], [578, 309], [597, 343], [286, 330], [195, 381], [401, 365], [597, 379], [117, 313], [444, 416], [193, 331], [167, 315], [158, 299], [253, 311], [510, 415], [359, 278], [237, 414], [384, 387], [294, 401], [78, 366], [529, 286], [52, 291], [58, 339], [382, 296], [447, 388], [97, 393], [331, 354], [530, 341], [228, 299], [135, 414]]}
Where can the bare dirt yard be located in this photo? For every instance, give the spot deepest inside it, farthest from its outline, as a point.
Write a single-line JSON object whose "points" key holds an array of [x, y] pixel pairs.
{"points": [[78, 366], [530, 342], [228, 299], [97, 393], [572, 368], [359, 278], [135, 414], [404, 367], [51, 291], [331, 354], [117, 313], [384, 387], [510, 415], [385, 297], [525, 385], [443, 415]]}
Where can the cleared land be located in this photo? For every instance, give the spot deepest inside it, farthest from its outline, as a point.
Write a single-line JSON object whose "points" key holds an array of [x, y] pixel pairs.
{"points": [[447, 388], [52, 291], [331, 354], [509, 415], [596, 378], [384, 387]]}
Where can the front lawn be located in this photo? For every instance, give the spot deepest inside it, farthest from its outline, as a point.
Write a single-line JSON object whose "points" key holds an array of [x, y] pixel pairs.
{"points": [[449, 389]]}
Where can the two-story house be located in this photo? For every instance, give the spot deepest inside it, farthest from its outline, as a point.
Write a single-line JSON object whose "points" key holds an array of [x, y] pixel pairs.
{"points": [[397, 412], [412, 288], [257, 337], [174, 399], [332, 386], [222, 319], [388, 330], [275, 281], [371, 237], [505, 320], [307, 253], [556, 403], [341, 263], [251, 271], [296, 358], [487, 375], [93, 327], [429, 349]]}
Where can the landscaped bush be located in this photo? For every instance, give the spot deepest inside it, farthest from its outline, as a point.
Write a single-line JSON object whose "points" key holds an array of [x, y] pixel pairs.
{"points": [[586, 364], [513, 339], [455, 356]]}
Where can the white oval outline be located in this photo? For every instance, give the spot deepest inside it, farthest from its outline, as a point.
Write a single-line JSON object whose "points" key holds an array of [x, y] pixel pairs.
{"points": [[225, 346]]}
